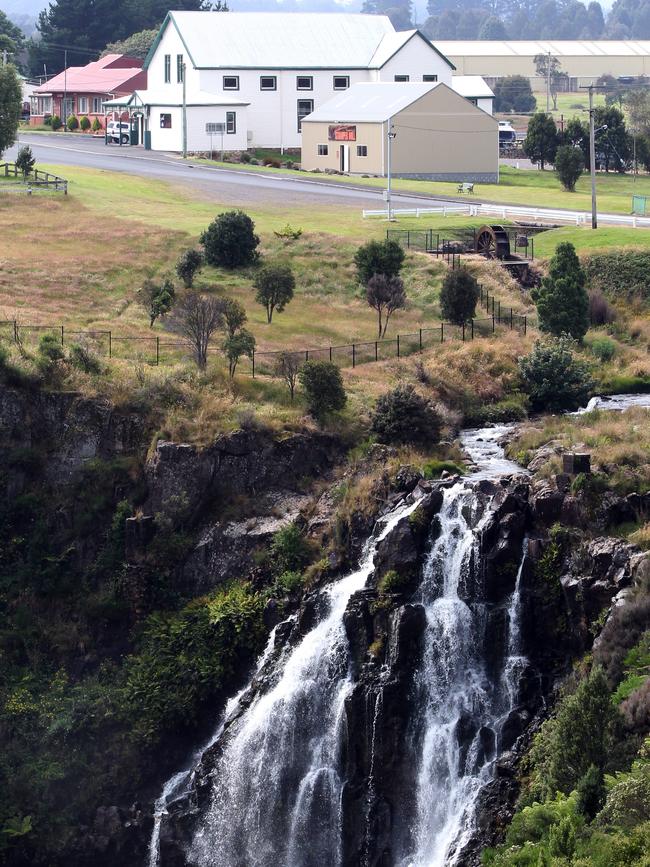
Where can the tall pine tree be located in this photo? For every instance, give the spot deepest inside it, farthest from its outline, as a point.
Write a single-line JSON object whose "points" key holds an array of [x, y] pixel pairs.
{"points": [[562, 300]]}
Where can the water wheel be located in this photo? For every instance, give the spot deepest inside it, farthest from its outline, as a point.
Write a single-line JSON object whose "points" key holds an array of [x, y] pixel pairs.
{"points": [[492, 242]]}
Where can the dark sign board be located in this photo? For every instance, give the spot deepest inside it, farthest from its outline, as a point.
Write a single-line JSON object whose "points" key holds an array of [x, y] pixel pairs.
{"points": [[342, 132]]}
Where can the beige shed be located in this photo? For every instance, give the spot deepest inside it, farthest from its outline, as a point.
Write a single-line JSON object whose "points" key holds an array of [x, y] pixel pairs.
{"points": [[436, 133]]}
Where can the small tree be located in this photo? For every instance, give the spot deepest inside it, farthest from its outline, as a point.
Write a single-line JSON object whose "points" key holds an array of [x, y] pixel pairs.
{"points": [[403, 416], [230, 240], [234, 316], [458, 296], [96, 124], [56, 122], [287, 366], [513, 93], [548, 68], [236, 345], [72, 123], [189, 263], [196, 318], [84, 123], [569, 163], [378, 257], [11, 101], [562, 300], [541, 141], [385, 295], [25, 161], [157, 298], [275, 285], [553, 378], [323, 386]]}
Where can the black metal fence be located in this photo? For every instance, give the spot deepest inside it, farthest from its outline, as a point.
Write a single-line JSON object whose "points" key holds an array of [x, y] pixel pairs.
{"points": [[449, 247]]}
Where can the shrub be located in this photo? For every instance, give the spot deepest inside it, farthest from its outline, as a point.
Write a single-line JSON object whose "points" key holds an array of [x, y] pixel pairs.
{"points": [[569, 164], [404, 416], [603, 348], [97, 125], [601, 311], [72, 123], [628, 800], [577, 737], [157, 298], [83, 359], [393, 582], [562, 300], [55, 122], [275, 285], [25, 161], [288, 582], [620, 274], [323, 387], [188, 264], [50, 352], [230, 240], [591, 792], [84, 123], [435, 468], [245, 157], [553, 378], [378, 257], [290, 550], [458, 296]]}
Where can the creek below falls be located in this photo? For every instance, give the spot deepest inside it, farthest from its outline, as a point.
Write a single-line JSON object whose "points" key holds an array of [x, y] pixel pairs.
{"points": [[341, 753]]}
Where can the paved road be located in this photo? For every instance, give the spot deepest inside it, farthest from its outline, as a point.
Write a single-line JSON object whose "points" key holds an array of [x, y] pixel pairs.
{"points": [[225, 185]]}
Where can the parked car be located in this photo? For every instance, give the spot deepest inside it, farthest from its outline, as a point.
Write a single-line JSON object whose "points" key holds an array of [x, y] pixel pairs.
{"points": [[118, 131]]}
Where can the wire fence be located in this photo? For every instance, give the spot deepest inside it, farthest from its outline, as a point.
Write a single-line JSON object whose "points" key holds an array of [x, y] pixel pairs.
{"points": [[157, 350]]}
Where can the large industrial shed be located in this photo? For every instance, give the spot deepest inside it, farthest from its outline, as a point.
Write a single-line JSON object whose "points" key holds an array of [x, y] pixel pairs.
{"points": [[438, 134], [583, 60]]}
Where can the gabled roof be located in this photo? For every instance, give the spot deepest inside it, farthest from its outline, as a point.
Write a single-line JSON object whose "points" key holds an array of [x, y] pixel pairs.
{"points": [[471, 86], [286, 40], [371, 101], [100, 76]]}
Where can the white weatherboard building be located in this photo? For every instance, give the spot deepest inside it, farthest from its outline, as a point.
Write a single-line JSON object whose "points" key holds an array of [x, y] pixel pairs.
{"points": [[260, 73]]}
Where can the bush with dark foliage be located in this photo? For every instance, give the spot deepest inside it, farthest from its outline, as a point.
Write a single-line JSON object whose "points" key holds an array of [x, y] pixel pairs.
{"points": [[230, 241], [404, 416], [459, 296]]}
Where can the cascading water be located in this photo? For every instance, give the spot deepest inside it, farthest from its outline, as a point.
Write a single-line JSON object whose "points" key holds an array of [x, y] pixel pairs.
{"points": [[278, 784], [278, 781]]}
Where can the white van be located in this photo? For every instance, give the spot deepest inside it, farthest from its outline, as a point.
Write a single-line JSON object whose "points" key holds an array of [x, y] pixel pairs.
{"points": [[116, 131]]}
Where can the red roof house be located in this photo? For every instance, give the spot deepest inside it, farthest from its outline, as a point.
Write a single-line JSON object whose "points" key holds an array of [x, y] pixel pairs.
{"points": [[85, 88]]}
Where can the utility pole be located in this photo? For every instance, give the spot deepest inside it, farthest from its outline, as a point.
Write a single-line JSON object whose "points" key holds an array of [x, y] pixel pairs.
{"points": [[391, 136], [65, 89], [184, 113], [592, 158], [548, 83]]}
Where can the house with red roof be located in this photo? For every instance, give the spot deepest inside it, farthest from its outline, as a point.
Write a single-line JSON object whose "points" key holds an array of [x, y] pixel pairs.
{"points": [[82, 90]]}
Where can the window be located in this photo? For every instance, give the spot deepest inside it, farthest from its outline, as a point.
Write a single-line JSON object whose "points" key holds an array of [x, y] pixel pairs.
{"points": [[323, 150], [305, 107], [304, 82], [179, 68], [97, 105], [231, 122], [168, 68], [82, 104], [362, 150], [341, 82], [268, 82], [231, 82], [401, 78], [165, 121], [429, 78]]}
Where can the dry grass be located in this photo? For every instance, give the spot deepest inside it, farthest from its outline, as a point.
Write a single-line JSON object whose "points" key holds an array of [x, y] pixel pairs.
{"points": [[619, 443]]}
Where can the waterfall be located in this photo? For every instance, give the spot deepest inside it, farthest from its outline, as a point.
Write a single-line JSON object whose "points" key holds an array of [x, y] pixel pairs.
{"points": [[277, 785], [278, 782]]}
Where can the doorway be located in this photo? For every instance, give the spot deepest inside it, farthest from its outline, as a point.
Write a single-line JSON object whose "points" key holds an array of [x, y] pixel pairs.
{"points": [[345, 158]]}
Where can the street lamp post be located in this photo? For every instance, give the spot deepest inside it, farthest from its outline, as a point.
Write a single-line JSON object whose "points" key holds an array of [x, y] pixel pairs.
{"points": [[391, 136]]}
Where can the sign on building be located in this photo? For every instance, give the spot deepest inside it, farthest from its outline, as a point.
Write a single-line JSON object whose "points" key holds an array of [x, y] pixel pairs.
{"points": [[342, 132]]}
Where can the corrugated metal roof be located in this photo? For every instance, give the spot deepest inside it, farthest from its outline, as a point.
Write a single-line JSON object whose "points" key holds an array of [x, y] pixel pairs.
{"points": [[288, 40], [95, 77], [370, 101], [557, 47], [471, 86], [389, 45]]}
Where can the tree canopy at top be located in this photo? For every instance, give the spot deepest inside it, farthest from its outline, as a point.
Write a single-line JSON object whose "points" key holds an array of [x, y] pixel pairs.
{"points": [[84, 27]]}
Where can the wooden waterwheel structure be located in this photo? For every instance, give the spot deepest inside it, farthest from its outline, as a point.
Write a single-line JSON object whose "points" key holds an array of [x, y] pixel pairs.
{"points": [[493, 242]]}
